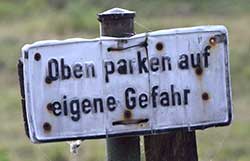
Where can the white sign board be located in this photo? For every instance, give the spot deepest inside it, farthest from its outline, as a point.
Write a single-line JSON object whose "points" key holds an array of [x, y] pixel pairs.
{"points": [[148, 83]]}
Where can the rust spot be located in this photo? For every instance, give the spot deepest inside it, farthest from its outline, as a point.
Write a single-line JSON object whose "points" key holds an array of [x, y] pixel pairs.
{"points": [[37, 56], [205, 96], [49, 107], [159, 46], [142, 125], [47, 127], [127, 114], [198, 71], [109, 49], [212, 41], [48, 80]]}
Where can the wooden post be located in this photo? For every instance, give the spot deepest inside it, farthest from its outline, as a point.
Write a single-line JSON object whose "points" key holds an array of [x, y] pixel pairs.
{"points": [[172, 146], [120, 23]]}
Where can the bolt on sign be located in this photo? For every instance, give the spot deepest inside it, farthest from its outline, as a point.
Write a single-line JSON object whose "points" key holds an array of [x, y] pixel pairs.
{"points": [[148, 83]]}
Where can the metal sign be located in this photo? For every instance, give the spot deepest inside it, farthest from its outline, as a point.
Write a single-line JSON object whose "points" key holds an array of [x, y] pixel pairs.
{"points": [[148, 83]]}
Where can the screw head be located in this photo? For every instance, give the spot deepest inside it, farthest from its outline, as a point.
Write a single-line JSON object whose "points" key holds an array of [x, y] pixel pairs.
{"points": [[49, 107], [212, 41], [199, 71], [47, 127], [37, 56], [48, 80], [205, 96], [127, 114], [159, 46]]}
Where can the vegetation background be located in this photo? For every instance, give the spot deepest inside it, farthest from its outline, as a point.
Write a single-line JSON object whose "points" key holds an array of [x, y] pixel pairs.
{"points": [[27, 21]]}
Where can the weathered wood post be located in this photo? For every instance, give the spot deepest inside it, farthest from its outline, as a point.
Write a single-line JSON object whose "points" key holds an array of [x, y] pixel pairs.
{"points": [[173, 146], [120, 23]]}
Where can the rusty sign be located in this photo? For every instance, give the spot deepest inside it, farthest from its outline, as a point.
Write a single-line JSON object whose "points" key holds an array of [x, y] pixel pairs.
{"points": [[148, 83]]}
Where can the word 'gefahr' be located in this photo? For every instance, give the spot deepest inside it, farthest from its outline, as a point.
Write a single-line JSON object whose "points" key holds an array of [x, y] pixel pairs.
{"points": [[133, 99]]}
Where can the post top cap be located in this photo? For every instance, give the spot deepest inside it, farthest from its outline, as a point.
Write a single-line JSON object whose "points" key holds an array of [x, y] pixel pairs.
{"points": [[116, 13]]}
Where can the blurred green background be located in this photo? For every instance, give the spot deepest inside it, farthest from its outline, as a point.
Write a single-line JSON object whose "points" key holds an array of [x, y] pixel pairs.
{"points": [[27, 21]]}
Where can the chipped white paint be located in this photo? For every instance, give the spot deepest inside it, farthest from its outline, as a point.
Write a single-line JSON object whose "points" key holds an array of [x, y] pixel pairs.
{"points": [[156, 117]]}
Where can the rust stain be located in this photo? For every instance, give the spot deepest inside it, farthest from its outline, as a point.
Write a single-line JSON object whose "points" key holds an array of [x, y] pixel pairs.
{"points": [[127, 114], [47, 127], [37, 56], [205, 96], [49, 107], [199, 71], [159, 46], [48, 80], [143, 125], [213, 41]]}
